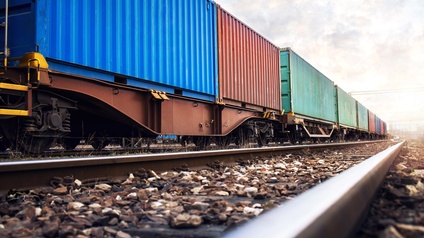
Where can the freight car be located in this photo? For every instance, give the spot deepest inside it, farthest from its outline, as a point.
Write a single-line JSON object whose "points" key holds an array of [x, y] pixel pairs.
{"points": [[308, 98], [95, 70], [317, 109]]}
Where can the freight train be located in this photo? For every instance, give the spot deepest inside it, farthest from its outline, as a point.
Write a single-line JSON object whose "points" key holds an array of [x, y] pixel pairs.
{"points": [[94, 70]]}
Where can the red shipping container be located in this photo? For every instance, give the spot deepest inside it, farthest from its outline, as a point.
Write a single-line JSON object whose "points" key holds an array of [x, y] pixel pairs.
{"points": [[248, 66], [383, 128], [371, 122]]}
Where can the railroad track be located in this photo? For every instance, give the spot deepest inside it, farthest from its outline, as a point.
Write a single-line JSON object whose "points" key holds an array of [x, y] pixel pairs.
{"points": [[32, 173], [332, 209], [86, 151], [314, 213]]}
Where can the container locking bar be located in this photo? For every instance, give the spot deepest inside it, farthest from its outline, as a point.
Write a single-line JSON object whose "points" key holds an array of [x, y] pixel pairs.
{"points": [[159, 95]]}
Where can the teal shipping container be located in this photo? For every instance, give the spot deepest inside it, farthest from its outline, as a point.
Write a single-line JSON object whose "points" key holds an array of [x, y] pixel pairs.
{"points": [[362, 113], [346, 108], [304, 90]]}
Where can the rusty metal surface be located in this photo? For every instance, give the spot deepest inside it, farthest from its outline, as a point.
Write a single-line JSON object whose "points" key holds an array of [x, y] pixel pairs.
{"points": [[132, 103], [179, 116], [248, 65], [331, 214], [232, 116], [25, 174], [187, 117], [176, 116]]}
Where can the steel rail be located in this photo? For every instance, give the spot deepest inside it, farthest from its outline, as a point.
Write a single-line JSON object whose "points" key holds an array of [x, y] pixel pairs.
{"points": [[331, 209], [28, 174]]}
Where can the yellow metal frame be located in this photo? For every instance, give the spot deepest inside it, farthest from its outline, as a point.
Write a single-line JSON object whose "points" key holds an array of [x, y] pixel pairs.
{"points": [[16, 87], [34, 59], [13, 112]]}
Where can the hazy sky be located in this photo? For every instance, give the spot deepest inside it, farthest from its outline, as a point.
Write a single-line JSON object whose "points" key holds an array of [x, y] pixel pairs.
{"points": [[361, 45]]}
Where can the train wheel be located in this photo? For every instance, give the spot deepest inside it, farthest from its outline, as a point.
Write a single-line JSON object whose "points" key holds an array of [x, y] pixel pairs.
{"points": [[295, 136], [262, 139], [242, 138]]}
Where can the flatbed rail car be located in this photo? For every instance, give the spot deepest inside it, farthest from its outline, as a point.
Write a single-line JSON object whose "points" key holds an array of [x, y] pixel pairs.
{"points": [[94, 70]]}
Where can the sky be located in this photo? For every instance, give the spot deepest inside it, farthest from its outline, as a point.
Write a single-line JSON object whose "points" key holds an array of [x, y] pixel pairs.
{"points": [[361, 45]]}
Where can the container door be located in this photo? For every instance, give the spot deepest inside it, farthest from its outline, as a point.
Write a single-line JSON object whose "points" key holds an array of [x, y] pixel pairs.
{"points": [[286, 99]]}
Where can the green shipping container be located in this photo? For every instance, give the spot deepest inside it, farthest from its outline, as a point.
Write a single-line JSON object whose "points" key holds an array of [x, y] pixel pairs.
{"points": [[304, 90], [362, 116], [346, 109]]}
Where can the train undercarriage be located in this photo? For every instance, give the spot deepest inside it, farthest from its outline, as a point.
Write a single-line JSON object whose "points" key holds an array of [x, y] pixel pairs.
{"points": [[303, 129], [40, 107]]}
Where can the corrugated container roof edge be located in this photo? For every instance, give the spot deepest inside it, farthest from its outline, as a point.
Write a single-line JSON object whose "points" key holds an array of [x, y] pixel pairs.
{"points": [[291, 50], [248, 65], [253, 30]]}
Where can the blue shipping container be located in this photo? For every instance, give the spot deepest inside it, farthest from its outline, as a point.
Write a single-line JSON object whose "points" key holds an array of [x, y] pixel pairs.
{"points": [[168, 45], [377, 125]]}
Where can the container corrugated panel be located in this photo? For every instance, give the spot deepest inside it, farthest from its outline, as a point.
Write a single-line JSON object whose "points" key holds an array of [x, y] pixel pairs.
{"points": [[383, 128], [305, 90], [371, 121], [346, 108], [377, 125], [248, 64], [362, 116], [167, 42]]}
